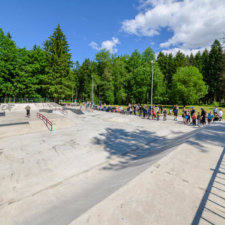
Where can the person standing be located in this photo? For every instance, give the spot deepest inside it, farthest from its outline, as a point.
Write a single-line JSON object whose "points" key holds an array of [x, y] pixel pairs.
{"points": [[165, 114], [153, 114], [161, 109], [158, 115], [203, 116], [144, 111], [215, 110], [192, 112], [135, 108], [175, 112], [141, 110], [210, 117], [194, 117], [220, 114], [199, 119], [184, 114], [28, 111]]}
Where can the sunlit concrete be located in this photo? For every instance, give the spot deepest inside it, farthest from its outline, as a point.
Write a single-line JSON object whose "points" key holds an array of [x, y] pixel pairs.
{"points": [[54, 177]]}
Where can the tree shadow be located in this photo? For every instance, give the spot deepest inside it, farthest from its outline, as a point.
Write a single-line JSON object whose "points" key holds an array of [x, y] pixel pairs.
{"points": [[141, 144]]}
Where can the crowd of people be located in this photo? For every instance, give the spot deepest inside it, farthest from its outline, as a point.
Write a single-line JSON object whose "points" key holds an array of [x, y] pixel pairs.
{"points": [[190, 116], [201, 118]]}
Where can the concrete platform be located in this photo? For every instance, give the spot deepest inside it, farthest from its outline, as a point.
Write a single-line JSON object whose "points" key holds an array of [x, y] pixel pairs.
{"points": [[54, 177]]}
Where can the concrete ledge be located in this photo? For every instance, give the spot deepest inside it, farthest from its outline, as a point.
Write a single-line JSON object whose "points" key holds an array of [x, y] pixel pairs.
{"points": [[2, 113], [13, 124], [46, 110], [77, 111]]}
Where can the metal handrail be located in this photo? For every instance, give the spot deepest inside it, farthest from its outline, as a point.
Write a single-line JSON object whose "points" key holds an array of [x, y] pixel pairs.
{"points": [[42, 117]]}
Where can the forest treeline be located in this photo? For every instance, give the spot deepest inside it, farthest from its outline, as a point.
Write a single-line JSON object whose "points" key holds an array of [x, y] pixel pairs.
{"points": [[48, 72]]}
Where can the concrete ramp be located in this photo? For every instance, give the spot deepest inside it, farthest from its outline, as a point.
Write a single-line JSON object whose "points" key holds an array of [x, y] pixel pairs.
{"points": [[15, 107], [76, 111]]}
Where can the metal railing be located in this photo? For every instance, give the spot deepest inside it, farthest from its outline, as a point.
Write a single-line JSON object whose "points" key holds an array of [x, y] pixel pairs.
{"points": [[45, 119]]}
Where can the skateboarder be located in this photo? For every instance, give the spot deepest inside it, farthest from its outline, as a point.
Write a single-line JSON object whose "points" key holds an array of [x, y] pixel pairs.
{"points": [[28, 110]]}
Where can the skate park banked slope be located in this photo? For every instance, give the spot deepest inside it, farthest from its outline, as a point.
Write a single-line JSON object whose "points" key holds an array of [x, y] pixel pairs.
{"points": [[65, 173], [19, 124]]}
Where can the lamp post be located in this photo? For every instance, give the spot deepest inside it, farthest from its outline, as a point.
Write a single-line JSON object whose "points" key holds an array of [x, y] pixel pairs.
{"points": [[92, 91], [152, 85]]}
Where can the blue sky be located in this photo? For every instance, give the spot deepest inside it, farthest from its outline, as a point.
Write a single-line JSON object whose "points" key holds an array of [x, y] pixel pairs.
{"points": [[121, 26]]}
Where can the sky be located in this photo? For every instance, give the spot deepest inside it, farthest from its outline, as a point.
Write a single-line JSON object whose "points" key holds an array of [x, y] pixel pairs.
{"points": [[120, 26]]}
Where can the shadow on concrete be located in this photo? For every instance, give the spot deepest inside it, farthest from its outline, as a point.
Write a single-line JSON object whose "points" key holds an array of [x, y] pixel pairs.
{"points": [[210, 202], [142, 144]]}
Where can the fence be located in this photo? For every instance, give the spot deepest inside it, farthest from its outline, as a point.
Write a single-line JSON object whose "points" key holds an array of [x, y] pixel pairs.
{"points": [[45, 119], [25, 100]]}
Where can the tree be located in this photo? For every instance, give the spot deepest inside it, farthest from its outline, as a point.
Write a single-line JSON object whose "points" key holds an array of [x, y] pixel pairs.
{"points": [[59, 65], [8, 60], [84, 80], [188, 86], [198, 61], [180, 60], [105, 89], [215, 71], [120, 75]]}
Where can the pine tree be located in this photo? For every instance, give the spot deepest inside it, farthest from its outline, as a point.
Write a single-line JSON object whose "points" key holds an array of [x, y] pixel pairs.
{"points": [[59, 66], [180, 60], [215, 71]]}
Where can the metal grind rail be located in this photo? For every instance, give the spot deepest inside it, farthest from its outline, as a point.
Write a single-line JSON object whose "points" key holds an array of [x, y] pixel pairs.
{"points": [[64, 112], [45, 119]]}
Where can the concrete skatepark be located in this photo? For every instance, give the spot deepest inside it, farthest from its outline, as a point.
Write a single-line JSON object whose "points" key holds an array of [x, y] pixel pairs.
{"points": [[108, 168]]}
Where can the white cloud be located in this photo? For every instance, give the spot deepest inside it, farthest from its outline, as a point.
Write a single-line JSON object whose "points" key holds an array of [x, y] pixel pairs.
{"points": [[185, 51], [109, 45], [194, 23]]}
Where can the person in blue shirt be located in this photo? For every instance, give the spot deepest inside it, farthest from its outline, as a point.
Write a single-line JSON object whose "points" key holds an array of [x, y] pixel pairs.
{"points": [[210, 117]]}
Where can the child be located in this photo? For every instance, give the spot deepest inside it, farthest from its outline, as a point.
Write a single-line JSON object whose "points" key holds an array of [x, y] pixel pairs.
{"points": [[220, 114], [199, 119], [194, 117], [158, 115], [153, 114]]}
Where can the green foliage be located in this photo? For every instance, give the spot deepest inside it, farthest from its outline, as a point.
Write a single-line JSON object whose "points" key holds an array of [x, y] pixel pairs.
{"points": [[188, 85], [58, 66], [8, 60], [48, 72], [217, 104]]}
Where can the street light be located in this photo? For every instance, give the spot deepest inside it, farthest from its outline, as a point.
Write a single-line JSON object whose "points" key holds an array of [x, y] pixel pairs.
{"points": [[92, 91], [152, 85]]}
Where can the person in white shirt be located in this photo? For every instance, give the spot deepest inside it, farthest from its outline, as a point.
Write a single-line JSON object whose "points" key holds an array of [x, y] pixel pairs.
{"points": [[220, 114]]}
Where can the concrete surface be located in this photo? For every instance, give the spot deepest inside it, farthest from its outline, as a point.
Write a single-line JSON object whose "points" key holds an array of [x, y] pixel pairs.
{"points": [[55, 177], [173, 190]]}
